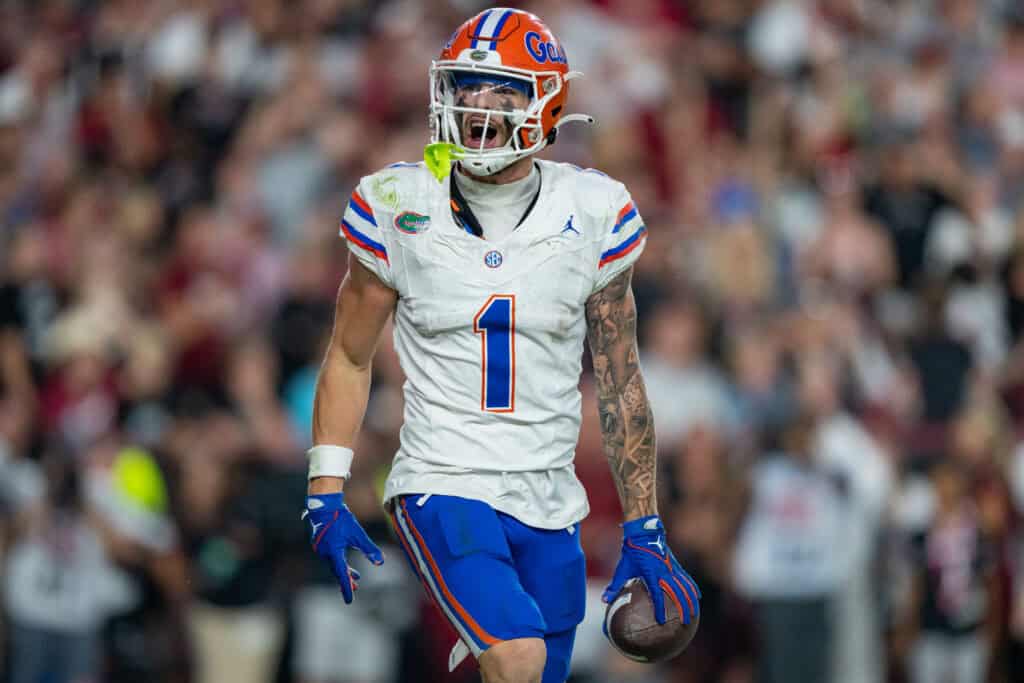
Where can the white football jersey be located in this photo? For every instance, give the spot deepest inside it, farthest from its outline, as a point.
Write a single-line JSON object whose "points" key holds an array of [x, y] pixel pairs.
{"points": [[490, 333]]}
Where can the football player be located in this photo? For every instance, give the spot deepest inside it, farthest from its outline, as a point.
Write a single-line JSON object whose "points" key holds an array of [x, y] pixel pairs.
{"points": [[496, 266]]}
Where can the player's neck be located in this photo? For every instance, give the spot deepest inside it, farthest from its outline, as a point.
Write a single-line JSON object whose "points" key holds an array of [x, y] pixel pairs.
{"points": [[517, 171]]}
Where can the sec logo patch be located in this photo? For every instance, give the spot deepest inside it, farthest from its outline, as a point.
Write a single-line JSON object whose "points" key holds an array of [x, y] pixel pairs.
{"points": [[493, 258]]}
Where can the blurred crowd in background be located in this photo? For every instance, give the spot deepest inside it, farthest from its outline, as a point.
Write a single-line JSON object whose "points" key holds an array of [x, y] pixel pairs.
{"points": [[831, 305]]}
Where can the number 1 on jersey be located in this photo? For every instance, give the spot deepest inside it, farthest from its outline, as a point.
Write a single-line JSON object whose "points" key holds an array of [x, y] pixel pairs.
{"points": [[496, 323]]}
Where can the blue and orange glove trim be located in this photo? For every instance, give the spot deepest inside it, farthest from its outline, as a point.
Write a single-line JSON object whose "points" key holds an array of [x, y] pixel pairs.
{"points": [[646, 555], [333, 529]]}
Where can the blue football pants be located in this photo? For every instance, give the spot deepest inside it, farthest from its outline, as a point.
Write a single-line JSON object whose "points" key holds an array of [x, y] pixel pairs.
{"points": [[493, 577]]}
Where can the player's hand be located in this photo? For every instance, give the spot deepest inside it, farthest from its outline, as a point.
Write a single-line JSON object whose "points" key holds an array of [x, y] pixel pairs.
{"points": [[332, 531], [646, 555]]}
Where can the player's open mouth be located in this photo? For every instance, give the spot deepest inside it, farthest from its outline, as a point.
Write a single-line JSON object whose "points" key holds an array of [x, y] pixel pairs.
{"points": [[491, 134]]}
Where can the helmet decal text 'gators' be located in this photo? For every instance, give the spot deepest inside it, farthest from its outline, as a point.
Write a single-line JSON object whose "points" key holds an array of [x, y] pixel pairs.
{"points": [[497, 92], [542, 50]]}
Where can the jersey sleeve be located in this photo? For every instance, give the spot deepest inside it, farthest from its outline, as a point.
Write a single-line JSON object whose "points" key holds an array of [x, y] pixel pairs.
{"points": [[366, 239], [623, 240]]}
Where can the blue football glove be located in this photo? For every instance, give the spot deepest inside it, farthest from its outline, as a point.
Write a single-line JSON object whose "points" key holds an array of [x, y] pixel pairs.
{"points": [[332, 531], [646, 555]]}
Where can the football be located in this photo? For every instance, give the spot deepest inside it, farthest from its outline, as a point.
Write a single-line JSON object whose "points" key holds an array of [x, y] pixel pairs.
{"points": [[633, 631]]}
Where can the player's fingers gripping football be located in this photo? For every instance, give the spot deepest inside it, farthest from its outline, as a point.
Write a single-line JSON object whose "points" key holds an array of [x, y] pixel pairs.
{"points": [[646, 555], [679, 588], [623, 573], [689, 586], [683, 589], [655, 588]]}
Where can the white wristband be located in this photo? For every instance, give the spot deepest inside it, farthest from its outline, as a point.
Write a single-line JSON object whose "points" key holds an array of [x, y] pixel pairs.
{"points": [[330, 461]]}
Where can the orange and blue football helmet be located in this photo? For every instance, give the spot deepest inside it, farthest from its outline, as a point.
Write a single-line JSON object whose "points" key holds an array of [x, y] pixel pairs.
{"points": [[501, 48]]}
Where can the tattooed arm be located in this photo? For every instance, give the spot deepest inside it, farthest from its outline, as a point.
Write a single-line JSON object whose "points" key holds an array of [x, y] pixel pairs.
{"points": [[627, 425]]}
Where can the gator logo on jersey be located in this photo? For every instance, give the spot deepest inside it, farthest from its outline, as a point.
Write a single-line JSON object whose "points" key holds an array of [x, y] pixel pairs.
{"points": [[412, 223]]}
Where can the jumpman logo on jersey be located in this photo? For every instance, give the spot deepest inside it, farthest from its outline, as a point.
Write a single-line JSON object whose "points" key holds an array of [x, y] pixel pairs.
{"points": [[657, 542], [569, 226]]}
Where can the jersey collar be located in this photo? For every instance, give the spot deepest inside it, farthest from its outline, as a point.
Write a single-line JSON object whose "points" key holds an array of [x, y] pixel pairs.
{"points": [[465, 218]]}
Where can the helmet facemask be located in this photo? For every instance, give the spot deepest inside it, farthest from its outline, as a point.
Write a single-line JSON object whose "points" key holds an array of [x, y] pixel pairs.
{"points": [[491, 114]]}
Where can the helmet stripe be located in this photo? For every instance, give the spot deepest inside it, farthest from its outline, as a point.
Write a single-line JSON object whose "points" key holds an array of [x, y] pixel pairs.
{"points": [[497, 29], [490, 27], [479, 27]]}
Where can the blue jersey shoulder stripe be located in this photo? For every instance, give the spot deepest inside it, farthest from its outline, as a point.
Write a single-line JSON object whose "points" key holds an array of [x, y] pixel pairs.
{"points": [[361, 212], [364, 241], [627, 217], [623, 248]]}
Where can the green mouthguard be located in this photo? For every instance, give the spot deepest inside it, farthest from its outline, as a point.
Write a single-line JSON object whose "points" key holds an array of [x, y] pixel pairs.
{"points": [[439, 157]]}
